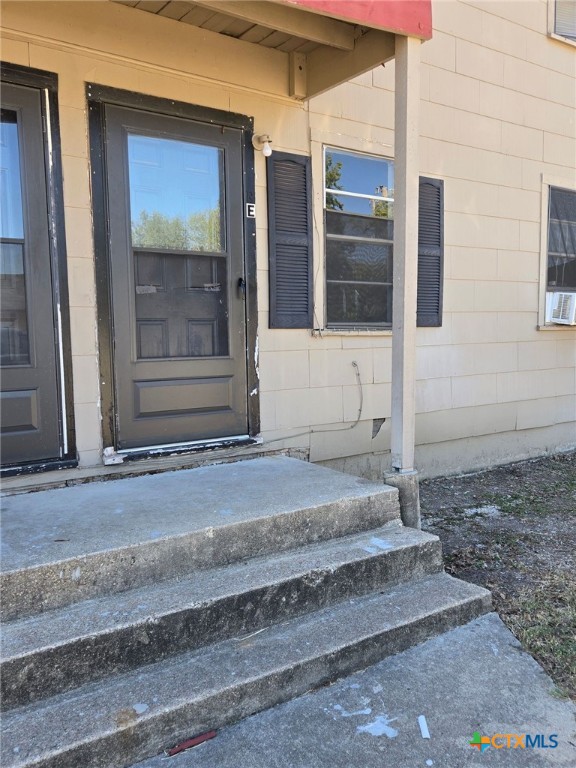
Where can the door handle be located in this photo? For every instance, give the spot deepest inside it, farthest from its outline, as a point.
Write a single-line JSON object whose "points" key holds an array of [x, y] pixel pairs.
{"points": [[242, 286]]}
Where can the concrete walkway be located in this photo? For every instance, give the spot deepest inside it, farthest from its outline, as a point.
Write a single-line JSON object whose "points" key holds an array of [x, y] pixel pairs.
{"points": [[472, 679]]}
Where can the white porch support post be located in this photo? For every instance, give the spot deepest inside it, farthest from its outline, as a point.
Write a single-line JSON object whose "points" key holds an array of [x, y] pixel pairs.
{"points": [[406, 170]]}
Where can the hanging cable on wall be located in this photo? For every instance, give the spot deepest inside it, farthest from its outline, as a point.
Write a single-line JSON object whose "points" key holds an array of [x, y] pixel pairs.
{"points": [[313, 431]]}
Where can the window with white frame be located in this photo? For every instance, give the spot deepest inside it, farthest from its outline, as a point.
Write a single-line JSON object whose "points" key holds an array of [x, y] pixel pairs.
{"points": [[565, 18], [561, 269], [359, 213]]}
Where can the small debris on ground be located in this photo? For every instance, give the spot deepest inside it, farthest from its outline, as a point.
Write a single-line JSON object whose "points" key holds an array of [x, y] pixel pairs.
{"points": [[189, 743], [423, 727]]}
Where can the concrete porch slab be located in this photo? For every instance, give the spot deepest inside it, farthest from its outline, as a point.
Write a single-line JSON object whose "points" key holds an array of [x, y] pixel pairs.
{"points": [[64, 545], [475, 678], [56, 524]]}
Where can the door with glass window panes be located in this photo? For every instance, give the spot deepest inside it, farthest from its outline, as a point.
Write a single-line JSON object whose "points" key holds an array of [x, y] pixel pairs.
{"points": [[177, 278], [29, 400]]}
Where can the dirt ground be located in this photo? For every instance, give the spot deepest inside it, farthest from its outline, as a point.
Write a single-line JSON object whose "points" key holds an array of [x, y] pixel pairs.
{"points": [[513, 530]]}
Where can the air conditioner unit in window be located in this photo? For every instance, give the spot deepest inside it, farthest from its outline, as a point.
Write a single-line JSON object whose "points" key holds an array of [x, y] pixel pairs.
{"points": [[561, 308]]}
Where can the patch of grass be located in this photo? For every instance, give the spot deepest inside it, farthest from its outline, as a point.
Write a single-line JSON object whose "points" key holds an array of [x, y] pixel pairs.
{"points": [[475, 556], [543, 618], [557, 693], [519, 504], [464, 558], [495, 548], [511, 540]]}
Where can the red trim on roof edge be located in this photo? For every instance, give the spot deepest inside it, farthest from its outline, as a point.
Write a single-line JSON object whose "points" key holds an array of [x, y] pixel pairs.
{"points": [[403, 17]]}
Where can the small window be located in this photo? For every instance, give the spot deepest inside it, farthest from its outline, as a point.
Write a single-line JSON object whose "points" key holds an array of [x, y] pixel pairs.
{"points": [[565, 18], [562, 240], [359, 213]]}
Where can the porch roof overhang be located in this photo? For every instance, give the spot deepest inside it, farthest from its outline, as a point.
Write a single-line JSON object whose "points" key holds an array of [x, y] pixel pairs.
{"points": [[324, 42]]}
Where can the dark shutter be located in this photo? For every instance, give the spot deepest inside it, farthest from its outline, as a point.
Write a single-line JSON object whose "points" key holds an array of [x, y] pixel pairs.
{"points": [[290, 240], [430, 252]]}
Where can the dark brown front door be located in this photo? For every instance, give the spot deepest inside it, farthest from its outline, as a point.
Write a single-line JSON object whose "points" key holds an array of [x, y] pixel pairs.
{"points": [[177, 278], [30, 418]]}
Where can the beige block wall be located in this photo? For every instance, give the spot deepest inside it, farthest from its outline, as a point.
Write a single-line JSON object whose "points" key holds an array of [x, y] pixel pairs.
{"points": [[498, 113], [507, 93], [498, 108]]}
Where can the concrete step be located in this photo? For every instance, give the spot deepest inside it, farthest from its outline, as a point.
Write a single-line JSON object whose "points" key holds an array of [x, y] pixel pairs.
{"points": [[65, 648], [474, 677], [131, 716], [65, 545]]}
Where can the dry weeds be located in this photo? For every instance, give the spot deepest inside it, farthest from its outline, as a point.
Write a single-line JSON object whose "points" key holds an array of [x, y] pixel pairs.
{"points": [[513, 530]]}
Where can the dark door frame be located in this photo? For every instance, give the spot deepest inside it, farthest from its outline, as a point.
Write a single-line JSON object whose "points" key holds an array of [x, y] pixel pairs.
{"points": [[97, 97], [47, 83]]}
